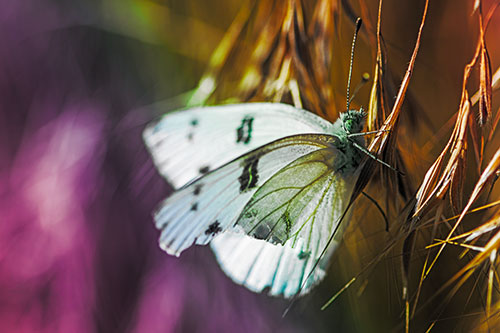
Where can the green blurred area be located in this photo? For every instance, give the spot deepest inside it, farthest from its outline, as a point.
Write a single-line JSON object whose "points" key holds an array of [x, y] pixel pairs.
{"points": [[170, 42]]}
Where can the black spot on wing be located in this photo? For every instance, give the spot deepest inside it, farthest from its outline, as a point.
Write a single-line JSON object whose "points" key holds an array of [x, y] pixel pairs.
{"points": [[276, 240], [213, 229], [288, 223], [204, 169], [304, 255], [266, 290], [250, 176], [197, 189], [194, 207], [194, 122], [262, 232], [244, 131]]}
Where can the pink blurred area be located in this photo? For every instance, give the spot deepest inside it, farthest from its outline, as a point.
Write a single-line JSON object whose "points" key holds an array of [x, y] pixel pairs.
{"points": [[78, 248], [46, 248]]}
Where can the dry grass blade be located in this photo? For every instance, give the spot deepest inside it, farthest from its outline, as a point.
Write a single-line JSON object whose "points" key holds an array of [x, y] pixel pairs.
{"points": [[488, 175], [488, 252], [484, 228], [435, 220], [435, 183], [457, 181], [495, 85], [434, 188], [376, 106], [478, 142], [334, 297], [495, 81], [379, 144], [455, 168], [484, 94], [484, 84]]}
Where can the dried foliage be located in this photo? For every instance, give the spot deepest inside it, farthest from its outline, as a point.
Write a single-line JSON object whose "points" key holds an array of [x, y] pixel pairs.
{"points": [[269, 54]]}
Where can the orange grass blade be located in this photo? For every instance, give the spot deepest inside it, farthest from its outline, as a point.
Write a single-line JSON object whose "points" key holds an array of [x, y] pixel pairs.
{"points": [[488, 175], [485, 76], [381, 140], [376, 106]]}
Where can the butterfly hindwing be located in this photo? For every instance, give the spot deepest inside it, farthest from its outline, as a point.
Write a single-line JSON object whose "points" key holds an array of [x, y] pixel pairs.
{"points": [[294, 214], [265, 267], [276, 211], [187, 144], [213, 203]]}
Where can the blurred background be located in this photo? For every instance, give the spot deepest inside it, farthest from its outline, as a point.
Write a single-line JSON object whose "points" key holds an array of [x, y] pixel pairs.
{"points": [[80, 80]]}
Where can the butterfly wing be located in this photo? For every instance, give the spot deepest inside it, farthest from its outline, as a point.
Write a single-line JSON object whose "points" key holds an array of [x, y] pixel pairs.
{"points": [[212, 204], [188, 143], [287, 196], [265, 267]]}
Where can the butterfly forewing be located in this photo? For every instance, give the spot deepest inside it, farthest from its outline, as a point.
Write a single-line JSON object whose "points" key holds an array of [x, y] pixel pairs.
{"points": [[212, 204], [188, 143]]}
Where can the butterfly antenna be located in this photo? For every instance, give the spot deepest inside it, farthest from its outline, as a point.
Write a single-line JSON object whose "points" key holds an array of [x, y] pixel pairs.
{"points": [[358, 26]]}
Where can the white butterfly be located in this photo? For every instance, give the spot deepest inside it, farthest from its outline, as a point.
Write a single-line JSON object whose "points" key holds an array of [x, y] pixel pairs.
{"points": [[265, 184]]}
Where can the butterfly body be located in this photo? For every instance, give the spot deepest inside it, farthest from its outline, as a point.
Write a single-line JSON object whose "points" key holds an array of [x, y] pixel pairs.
{"points": [[279, 181]]}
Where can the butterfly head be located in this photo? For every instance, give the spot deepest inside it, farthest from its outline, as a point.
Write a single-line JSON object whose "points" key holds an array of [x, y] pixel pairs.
{"points": [[353, 121]]}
